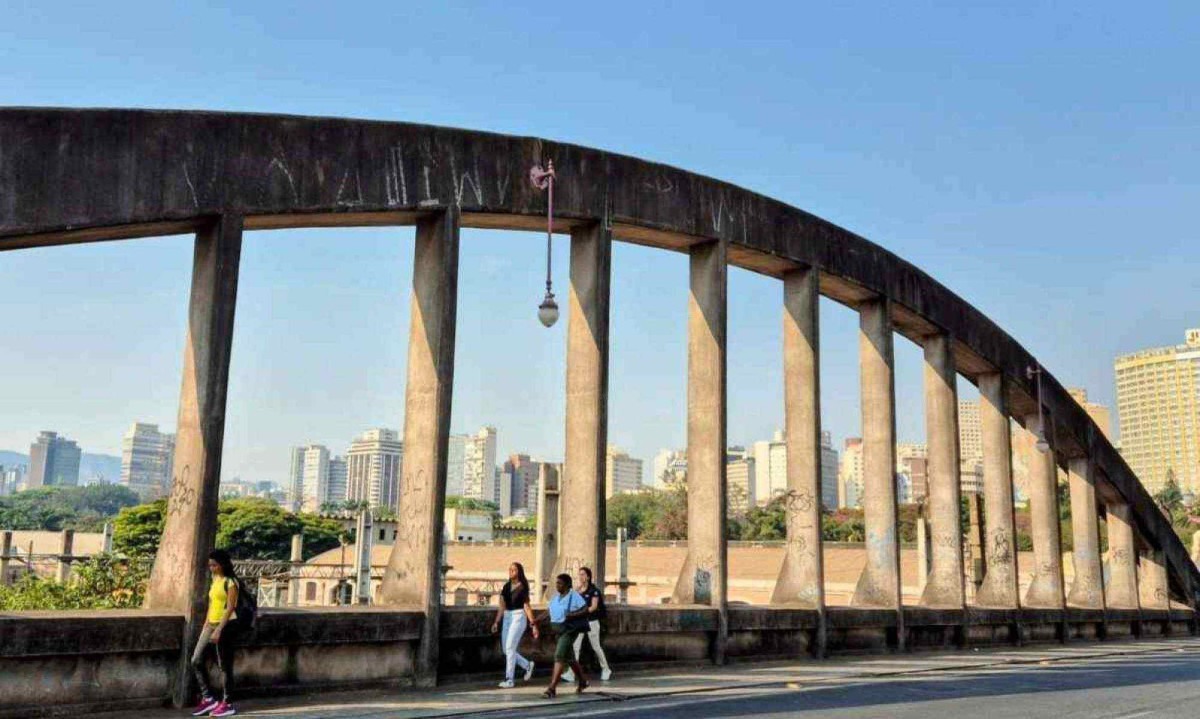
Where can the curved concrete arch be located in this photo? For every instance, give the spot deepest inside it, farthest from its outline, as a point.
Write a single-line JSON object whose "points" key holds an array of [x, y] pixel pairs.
{"points": [[70, 176]]}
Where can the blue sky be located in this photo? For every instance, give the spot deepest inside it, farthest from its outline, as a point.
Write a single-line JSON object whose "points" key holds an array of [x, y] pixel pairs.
{"points": [[1041, 161]]}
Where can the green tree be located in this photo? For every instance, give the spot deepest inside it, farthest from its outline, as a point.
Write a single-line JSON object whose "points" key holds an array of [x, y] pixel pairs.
{"points": [[321, 534], [1169, 499], [137, 530], [83, 509], [255, 528]]}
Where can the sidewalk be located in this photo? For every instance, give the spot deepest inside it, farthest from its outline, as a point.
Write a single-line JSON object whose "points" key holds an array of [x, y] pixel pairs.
{"points": [[463, 699]]}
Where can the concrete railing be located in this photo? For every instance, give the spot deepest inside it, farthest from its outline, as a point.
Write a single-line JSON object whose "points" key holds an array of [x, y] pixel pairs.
{"points": [[67, 663]]}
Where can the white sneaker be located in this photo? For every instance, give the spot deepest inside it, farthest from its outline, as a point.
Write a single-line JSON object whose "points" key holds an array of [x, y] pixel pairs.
{"points": [[506, 684], [529, 672], [606, 675], [568, 676]]}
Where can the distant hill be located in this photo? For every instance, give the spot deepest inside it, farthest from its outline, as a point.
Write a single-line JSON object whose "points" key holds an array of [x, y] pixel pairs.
{"points": [[92, 467]]}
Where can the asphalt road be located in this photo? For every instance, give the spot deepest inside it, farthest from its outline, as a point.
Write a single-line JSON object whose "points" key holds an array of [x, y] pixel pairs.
{"points": [[1149, 686]]}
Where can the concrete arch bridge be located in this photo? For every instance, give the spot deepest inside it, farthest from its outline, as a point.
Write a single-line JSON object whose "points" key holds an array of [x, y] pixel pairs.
{"points": [[71, 176]]}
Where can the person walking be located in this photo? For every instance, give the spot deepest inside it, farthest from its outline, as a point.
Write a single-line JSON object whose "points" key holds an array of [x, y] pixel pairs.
{"points": [[595, 612], [513, 615], [568, 616], [221, 628]]}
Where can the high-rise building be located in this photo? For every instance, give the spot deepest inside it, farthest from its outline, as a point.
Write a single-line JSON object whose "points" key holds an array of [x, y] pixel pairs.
{"points": [[373, 468], [739, 483], [916, 471], [970, 476], [10, 479], [456, 456], [669, 467], [521, 473], [338, 478], [296, 479], [146, 460], [53, 462], [622, 473], [1158, 407], [970, 431], [850, 473], [770, 468], [479, 467], [1098, 412], [829, 472]]}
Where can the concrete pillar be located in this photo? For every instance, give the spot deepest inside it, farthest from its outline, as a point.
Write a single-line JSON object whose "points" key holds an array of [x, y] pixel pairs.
{"points": [[547, 527], [1152, 581], [801, 578], [879, 585], [581, 540], [414, 572], [999, 588], [65, 550], [106, 543], [623, 565], [1121, 592], [702, 579], [5, 553], [1046, 587], [179, 579], [924, 553], [297, 558], [1087, 591], [364, 539], [944, 585], [975, 541]]}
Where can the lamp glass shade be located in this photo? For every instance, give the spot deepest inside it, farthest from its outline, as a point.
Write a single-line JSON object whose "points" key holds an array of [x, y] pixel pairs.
{"points": [[1042, 445], [548, 311]]}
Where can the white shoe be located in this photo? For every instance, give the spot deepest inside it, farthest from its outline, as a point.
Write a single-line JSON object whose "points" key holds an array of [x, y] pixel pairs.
{"points": [[529, 672], [568, 676], [606, 675], [506, 684]]}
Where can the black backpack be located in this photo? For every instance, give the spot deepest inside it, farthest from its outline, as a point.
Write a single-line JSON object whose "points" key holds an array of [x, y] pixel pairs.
{"points": [[246, 611]]}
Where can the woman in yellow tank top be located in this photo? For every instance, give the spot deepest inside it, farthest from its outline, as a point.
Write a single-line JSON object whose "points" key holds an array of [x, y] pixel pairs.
{"points": [[220, 630]]}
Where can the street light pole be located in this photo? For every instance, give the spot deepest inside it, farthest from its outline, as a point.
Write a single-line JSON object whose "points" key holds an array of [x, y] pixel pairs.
{"points": [[544, 180]]}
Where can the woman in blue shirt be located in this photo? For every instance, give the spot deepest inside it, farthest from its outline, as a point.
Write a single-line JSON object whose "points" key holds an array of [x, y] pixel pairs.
{"points": [[568, 615]]}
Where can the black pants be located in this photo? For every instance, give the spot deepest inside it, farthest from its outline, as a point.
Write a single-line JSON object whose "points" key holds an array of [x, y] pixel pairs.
{"points": [[224, 651]]}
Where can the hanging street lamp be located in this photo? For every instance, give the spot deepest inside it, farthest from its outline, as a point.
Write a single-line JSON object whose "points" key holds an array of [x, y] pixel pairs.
{"points": [[1042, 445], [544, 180]]}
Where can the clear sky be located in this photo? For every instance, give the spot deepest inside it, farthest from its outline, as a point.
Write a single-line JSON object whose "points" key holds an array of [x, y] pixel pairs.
{"points": [[1043, 162]]}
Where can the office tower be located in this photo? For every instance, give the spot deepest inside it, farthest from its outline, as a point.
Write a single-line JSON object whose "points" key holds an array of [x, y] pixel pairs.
{"points": [[770, 468], [53, 461], [479, 467], [829, 472], [296, 479], [522, 475], [373, 468], [739, 483], [970, 431], [146, 460], [1158, 407], [1098, 412], [622, 473], [456, 455], [850, 473], [338, 477]]}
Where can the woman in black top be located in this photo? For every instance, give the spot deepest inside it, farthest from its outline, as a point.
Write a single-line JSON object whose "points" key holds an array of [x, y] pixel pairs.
{"points": [[595, 601], [515, 613]]}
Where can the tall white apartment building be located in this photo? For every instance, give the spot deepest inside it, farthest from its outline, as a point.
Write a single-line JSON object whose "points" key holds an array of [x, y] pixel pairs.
{"points": [[970, 431], [669, 467], [373, 468], [770, 468], [147, 457], [479, 467], [829, 472], [456, 457], [739, 482], [850, 473]]}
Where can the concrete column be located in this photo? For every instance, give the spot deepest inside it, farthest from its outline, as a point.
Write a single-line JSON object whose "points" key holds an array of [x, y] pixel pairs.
{"points": [[364, 539], [924, 554], [1046, 587], [1152, 581], [547, 526], [581, 540], [623, 565], [414, 572], [944, 586], [801, 578], [65, 551], [879, 585], [5, 553], [297, 558], [179, 579], [702, 579], [107, 540], [999, 587], [1121, 592], [1087, 591], [975, 542]]}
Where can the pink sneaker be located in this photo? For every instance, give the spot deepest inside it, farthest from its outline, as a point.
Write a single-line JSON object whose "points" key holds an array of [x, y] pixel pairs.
{"points": [[224, 709], [206, 705]]}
